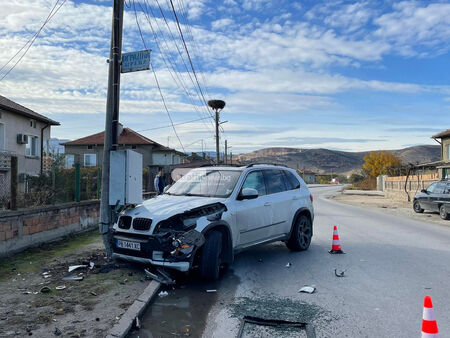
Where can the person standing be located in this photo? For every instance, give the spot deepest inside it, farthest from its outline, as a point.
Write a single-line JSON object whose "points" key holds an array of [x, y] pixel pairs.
{"points": [[159, 183]]}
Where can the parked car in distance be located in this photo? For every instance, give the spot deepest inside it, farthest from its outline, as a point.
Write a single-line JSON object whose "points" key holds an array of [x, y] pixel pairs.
{"points": [[212, 213], [434, 198]]}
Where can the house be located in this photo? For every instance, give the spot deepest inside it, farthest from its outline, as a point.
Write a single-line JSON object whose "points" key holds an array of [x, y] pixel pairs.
{"points": [[24, 134], [88, 151], [308, 176], [443, 138]]}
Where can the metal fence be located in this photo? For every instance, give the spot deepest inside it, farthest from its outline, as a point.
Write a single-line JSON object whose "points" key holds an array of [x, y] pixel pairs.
{"points": [[54, 186]]}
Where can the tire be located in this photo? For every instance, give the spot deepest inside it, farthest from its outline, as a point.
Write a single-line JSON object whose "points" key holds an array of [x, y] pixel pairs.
{"points": [[301, 234], [443, 213], [416, 207], [210, 258]]}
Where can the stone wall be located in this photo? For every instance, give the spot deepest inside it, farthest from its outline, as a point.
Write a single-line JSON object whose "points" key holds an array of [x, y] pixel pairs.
{"points": [[31, 227], [395, 186]]}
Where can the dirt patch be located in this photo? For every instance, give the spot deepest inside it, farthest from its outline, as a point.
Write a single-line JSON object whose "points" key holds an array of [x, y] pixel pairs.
{"points": [[86, 308], [393, 207]]}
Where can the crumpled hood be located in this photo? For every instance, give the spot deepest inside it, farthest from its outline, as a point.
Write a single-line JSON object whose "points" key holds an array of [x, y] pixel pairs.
{"points": [[165, 206]]}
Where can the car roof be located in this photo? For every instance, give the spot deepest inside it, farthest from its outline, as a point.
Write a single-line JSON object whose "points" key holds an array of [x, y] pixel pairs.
{"points": [[251, 166]]}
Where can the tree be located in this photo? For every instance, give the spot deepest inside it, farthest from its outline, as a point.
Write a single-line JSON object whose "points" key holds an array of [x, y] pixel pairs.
{"points": [[355, 178], [381, 163]]}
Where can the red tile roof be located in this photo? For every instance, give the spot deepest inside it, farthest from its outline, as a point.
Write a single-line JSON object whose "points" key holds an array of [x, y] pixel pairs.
{"points": [[442, 134], [128, 136], [14, 107]]}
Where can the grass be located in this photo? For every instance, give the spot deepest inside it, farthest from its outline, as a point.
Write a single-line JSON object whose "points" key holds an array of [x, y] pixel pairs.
{"points": [[35, 259]]}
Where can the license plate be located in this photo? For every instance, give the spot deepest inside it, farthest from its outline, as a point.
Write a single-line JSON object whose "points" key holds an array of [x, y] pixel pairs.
{"points": [[128, 245]]}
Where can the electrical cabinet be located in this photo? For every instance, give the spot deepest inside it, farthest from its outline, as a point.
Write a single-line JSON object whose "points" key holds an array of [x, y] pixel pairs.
{"points": [[125, 179]]}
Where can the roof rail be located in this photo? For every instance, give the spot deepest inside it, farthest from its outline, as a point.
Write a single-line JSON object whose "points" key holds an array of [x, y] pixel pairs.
{"points": [[266, 163]]}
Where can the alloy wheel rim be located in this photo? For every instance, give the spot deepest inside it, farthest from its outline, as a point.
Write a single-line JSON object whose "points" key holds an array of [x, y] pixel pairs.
{"points": [[304, 233]]}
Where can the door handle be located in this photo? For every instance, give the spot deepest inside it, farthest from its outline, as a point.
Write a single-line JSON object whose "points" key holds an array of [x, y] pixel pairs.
{"points": [[295, 198], [266, 204]]}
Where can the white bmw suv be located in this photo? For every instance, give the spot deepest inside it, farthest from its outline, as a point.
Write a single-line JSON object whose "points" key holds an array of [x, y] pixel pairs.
{"points": [[212, 213]]}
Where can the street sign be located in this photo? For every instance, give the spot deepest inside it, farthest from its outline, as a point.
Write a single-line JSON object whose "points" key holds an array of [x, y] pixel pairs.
{"points": [[136, 61]]}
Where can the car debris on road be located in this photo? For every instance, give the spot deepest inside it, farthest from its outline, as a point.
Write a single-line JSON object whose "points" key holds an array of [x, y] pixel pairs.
{"points": [[307, 289]]}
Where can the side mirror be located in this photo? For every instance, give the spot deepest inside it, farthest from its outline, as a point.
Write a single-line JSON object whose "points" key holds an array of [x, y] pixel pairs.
{"points": [[166, 188], [248, 194], [424, 191]]}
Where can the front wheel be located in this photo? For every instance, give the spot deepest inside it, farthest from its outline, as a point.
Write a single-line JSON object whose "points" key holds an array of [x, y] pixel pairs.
{"points": [[301, 234], [210, 258], [443, 213], [416, 207]]}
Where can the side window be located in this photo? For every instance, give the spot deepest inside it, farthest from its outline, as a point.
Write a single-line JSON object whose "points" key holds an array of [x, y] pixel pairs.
{"points": [[274, 181], [291, 181], [255, 180], [439, 189], [447, 189], [431, 188]]}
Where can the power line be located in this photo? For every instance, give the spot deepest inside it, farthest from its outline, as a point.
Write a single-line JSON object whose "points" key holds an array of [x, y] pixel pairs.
{"points": [[175, 124], [164, 57], [187, 52], [179, 51], [31, 40], [194, 43], [156, 79]]}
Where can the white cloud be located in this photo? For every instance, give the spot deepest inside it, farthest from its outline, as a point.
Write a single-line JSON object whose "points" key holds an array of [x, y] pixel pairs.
{"points": [[411, 26], [221, 23]]}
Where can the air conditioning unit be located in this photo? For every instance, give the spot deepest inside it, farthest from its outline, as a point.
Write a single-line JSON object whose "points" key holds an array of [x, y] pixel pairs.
{"points": [[22, 138]]}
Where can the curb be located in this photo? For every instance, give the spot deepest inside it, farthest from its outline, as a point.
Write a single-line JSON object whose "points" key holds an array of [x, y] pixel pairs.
{"points": [[136, 309]]}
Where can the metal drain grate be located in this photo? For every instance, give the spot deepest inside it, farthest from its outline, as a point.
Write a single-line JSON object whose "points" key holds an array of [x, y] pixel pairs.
{"points": [[276, 323]]}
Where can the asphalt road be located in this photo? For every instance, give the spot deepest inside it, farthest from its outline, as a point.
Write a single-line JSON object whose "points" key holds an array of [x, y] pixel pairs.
{"points": [[391, 264]]}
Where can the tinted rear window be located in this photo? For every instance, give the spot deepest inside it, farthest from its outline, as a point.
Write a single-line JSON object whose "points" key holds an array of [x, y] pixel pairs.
{"points": [[291, 181], [274, 181]]}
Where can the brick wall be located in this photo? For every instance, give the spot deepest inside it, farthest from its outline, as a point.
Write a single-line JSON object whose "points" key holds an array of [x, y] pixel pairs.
{"points": [[395, 186], [31, 227]]}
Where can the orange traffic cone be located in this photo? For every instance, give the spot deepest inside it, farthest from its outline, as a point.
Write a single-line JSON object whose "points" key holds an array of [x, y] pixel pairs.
{"points": [[336, 245], [429, 324]]}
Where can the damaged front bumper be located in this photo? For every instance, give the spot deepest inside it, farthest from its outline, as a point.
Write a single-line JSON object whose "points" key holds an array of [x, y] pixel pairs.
{"points": [[180, 266], [173, 242], [167, 249]]}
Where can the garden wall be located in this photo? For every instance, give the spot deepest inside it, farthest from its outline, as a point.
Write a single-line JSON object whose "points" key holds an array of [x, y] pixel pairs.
{"points": [[22, 229]]}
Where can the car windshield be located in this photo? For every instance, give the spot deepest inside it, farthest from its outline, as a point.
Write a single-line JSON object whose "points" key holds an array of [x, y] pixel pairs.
{"points": [[206, 182]]}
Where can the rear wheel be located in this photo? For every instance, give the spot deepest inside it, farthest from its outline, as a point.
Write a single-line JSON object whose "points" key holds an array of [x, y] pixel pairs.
{"points": [[416, 207], [443, 213], [210, 258], [301, 234]]}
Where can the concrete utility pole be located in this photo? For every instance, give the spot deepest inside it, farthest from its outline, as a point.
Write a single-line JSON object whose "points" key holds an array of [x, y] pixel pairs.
{"points": [[225, 158], [111, 122], [231, 157], [217, 106], [217, 137]]}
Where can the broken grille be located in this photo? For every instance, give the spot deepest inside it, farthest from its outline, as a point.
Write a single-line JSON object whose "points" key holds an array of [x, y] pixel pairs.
{"points": [[124, 222], [142, 224]]}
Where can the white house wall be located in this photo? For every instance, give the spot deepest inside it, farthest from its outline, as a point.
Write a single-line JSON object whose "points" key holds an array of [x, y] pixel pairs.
{"points": [[16, 124]]}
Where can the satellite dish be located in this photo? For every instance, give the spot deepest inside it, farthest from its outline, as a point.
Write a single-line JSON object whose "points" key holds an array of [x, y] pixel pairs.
{"points": [[216, 104]]}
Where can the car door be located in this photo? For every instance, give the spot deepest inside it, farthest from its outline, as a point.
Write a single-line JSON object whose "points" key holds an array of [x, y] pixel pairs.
{"points": [[425, 201], [253, 216], [279, 199], [436, 198]]}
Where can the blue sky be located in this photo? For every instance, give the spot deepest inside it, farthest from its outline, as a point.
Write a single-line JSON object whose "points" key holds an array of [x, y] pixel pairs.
{"points": [[347, 75]]}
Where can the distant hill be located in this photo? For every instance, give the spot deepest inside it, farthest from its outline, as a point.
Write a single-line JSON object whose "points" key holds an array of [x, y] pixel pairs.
{"points": [[327, 161], [55, 145]]}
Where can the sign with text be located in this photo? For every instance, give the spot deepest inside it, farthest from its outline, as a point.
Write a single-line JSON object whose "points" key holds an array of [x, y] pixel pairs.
{"points": [[136, 61]]}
